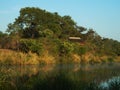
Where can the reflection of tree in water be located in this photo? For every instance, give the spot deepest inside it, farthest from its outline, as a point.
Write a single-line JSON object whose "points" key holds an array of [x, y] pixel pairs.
{"points": [[28, 69], [59, 77]]}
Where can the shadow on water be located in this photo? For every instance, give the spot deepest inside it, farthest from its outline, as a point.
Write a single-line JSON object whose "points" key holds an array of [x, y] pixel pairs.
{"points": [[60, 77]]}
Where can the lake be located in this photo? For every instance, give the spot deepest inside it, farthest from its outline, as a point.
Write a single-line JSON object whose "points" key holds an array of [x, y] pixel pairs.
{"points": [[59, 77]]}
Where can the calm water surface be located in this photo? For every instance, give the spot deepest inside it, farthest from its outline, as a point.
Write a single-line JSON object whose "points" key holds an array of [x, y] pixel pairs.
{"points": [[57, 77]]}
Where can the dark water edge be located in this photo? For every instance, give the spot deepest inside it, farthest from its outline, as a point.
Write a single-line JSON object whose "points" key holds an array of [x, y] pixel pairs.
{"points": [[61, 77]]}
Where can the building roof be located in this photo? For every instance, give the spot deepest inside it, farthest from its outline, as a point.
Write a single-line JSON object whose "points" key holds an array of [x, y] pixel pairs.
{"points": [[74, 38]]}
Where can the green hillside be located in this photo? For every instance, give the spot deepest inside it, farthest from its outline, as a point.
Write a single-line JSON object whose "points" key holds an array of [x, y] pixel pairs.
{"points": [[47, 37]]}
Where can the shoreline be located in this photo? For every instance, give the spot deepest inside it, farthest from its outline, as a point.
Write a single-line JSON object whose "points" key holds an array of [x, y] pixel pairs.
{"points": [[10, 57]]}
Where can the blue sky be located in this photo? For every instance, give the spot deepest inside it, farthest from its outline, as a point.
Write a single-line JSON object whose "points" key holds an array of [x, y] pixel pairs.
{"points": [[101, 15]]}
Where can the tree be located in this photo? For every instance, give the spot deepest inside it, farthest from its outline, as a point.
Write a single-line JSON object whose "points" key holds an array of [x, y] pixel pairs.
{"points": [[32, 21], [69, 20], [90, 35], [28, 21], [3, 39]]}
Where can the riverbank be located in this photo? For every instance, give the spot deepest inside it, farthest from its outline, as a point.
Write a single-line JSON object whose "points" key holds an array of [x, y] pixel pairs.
{"points": [[11, 57], [14, 57]]}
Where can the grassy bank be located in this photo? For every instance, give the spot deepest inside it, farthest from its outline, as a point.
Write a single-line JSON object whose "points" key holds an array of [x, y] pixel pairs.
{"points": [[10, 57]]}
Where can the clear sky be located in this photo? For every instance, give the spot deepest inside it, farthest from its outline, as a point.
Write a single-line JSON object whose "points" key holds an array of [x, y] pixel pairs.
{"points": [[101, 15]]}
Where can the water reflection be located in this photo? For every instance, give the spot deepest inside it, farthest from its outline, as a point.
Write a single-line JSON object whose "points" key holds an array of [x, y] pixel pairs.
{"points": [[61, 77], [28, 69]]}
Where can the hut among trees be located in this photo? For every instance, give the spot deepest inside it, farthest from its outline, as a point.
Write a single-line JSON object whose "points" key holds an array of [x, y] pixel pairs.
{"points": [[75, 39]]}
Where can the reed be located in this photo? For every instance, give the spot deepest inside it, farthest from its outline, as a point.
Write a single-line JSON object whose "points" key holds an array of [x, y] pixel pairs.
{"points": [[10, 57]]}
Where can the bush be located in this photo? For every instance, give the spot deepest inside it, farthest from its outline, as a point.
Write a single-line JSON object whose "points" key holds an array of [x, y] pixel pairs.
{"points": [[110, 59], [27, 45], [65, 48], [82, 50]]}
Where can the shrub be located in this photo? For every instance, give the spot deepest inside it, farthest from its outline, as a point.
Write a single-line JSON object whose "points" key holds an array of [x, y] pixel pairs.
{"points": [[110, 59], [27, 45], [82, 50], [65, 48]]}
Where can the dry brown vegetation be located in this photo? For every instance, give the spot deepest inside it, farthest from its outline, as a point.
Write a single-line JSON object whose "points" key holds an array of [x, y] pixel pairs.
{"points": [[10, 57], [13, 57]]}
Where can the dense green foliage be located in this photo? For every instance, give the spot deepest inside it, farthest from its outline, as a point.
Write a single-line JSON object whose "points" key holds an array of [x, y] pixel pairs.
{"points": [[30, 45], [39, 25], [33, 21], [65, 48]]}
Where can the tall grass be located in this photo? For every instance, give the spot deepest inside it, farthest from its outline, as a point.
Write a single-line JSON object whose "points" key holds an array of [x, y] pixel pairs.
{"points": [[8, 57]]}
